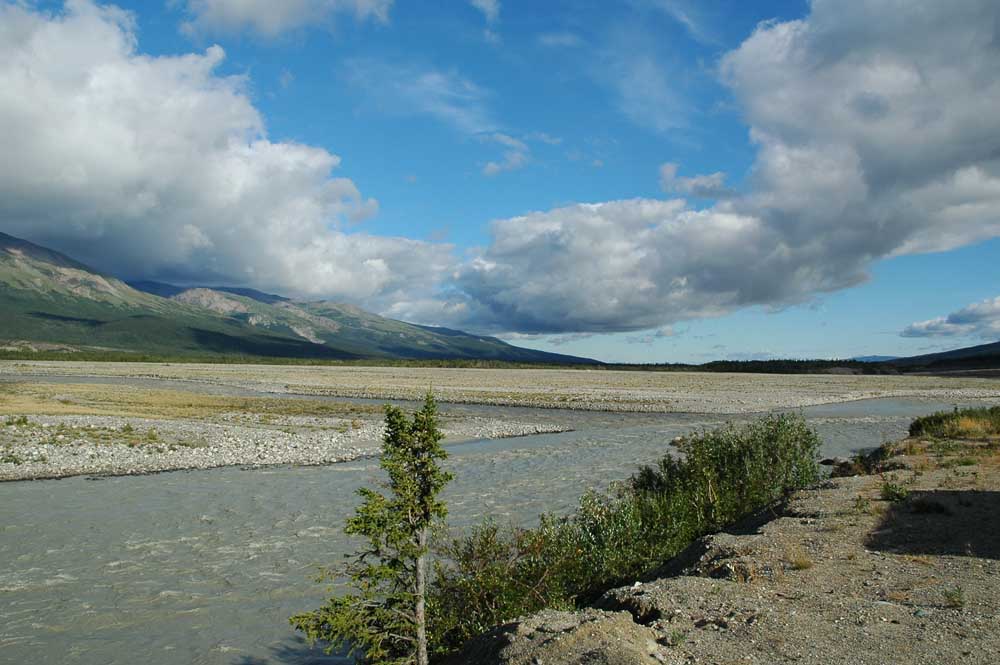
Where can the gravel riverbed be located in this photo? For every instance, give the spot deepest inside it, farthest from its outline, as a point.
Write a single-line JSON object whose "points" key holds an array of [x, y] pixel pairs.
{"points": [[58, 446], [591, 390]]}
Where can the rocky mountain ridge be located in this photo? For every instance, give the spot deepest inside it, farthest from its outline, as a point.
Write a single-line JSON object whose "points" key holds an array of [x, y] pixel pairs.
{"points": [[52, 301]]}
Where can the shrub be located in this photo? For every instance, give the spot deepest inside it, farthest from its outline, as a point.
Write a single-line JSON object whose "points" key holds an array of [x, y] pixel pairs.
{"points": [[958, 424], [495, 574], [955, 597], [893, 492]]}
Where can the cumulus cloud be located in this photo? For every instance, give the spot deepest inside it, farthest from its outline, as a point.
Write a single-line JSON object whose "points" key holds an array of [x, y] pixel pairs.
{"points": [[271, 18], [158, 167], [712, 186], [614, 266], [981, 319], [876, 132]]}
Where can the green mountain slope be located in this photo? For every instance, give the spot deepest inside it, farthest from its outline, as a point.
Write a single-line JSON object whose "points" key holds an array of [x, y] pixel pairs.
{"points": [[49, 300]]}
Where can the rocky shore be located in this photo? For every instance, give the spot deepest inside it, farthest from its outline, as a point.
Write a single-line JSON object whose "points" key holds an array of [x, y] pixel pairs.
{"points": [[899, 567], [39, 447]]}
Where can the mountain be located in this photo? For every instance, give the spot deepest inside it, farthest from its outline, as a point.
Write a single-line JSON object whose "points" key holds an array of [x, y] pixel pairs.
{"points": [[980, 357], [874, 359], [51, 301], [169, 290]]}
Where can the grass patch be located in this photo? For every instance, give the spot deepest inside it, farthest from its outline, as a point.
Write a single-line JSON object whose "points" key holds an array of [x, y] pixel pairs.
{"points": [[112, 400], [974, 423], [11, 458], [954, 597], [799, 560], [958, 461], [496, 574]]}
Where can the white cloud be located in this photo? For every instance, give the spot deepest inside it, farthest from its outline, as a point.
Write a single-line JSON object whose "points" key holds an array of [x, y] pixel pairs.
{"points": [[515, 156], [607, 267], [645, 92], [397, 89], [980, 319], [712, 186], [877, 134], [544, 138], [652, 336], [444, 95], [559, 39], [876, 123], [688, 16], [159, 167], [489, 8], [271, 18]]}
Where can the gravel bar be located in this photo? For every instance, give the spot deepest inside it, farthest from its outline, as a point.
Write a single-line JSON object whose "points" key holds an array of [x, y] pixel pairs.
{"points": [[40, 447]]}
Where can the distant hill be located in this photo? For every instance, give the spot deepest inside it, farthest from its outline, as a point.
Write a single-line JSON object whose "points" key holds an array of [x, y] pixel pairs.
{"points": [[874, 359], [980, 357], [51, 301]]}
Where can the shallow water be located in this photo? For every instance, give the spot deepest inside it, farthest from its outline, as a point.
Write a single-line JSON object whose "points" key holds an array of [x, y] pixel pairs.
{"points": [[206, 566]]}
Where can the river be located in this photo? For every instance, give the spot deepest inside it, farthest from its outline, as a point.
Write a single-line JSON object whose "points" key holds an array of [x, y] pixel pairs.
{"points": [[206, 566]]}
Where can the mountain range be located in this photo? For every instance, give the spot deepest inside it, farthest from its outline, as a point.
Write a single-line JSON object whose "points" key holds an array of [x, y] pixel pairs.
{"points": [[51, 302]]}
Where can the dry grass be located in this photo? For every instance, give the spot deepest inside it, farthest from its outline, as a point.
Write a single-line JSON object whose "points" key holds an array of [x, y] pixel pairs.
{"points": [[970, 427], [798, 559], [111, 400], [898, 597]]}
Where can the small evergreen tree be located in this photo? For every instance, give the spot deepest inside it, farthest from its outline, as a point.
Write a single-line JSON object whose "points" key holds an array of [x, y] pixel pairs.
{"points": [[385, 619]]}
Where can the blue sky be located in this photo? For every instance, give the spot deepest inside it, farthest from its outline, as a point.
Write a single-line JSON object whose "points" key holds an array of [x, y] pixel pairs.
{"points": [[644, 181]]}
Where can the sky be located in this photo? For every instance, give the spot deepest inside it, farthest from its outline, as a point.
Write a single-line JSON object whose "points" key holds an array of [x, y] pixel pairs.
{"points": [[639, 181]]}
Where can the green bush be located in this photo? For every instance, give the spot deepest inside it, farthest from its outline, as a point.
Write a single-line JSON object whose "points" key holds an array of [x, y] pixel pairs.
{"points": [[893, 492], [960, 423], [496, 574]]}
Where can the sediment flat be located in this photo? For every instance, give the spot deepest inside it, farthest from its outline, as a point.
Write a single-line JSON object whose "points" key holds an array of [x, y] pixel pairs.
{"points": [[134, 418], [55, 430], [599, 390]]}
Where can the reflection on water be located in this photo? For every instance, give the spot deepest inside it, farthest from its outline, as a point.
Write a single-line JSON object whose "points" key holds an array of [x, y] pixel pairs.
{"points": [[206, 566]]}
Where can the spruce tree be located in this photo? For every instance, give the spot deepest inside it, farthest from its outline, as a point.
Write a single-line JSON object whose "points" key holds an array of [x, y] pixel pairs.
{"points": [[385, 617]]}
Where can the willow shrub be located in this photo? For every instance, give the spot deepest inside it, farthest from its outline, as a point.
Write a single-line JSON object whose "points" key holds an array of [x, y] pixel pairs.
{"points": [[495, 574]]}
